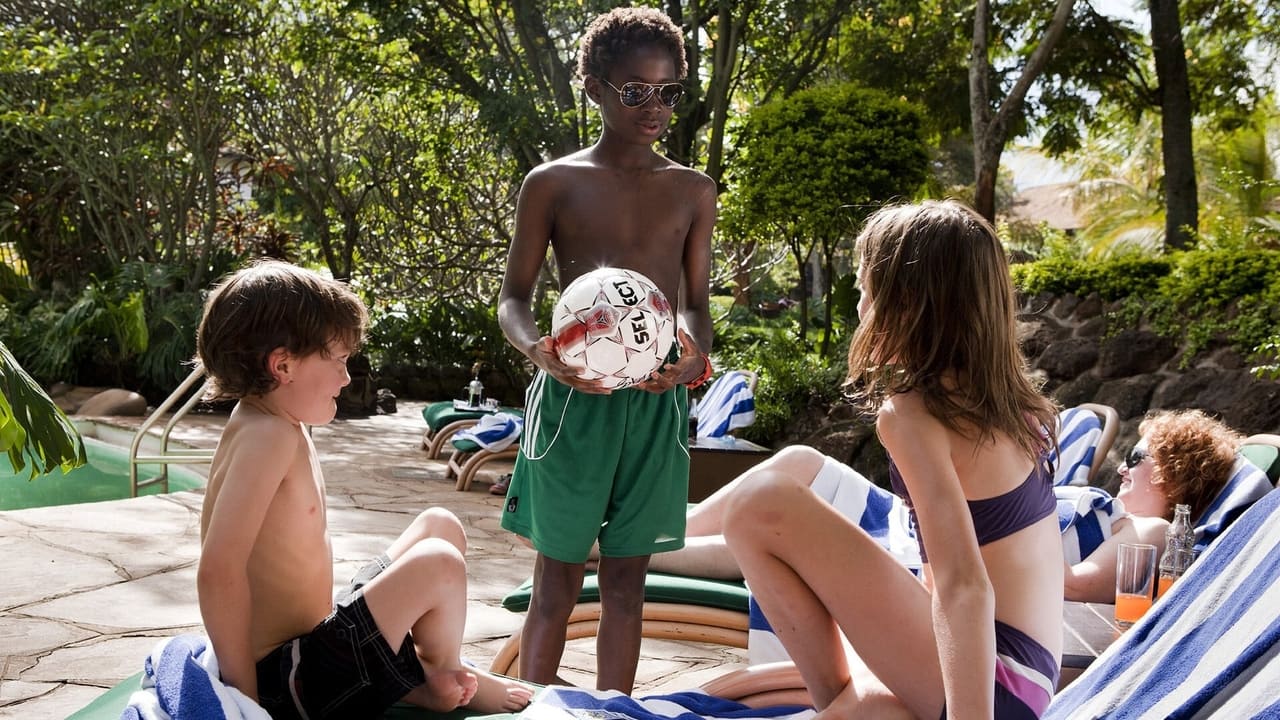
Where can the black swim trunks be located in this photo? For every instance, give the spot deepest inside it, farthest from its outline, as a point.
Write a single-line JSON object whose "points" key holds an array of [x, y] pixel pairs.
{"points": [[343, 668]]}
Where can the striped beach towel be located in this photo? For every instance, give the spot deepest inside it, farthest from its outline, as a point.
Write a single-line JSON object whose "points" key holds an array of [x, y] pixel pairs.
{"points": [[729, 404], [1079, 431], [181, 681], [563, 703], [1209, 648], [1085, 515], [1247, 485]]}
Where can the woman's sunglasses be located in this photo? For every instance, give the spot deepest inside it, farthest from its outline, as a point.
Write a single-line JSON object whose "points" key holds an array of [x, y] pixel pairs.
{"points": [[1136, 455], [634, 94]]}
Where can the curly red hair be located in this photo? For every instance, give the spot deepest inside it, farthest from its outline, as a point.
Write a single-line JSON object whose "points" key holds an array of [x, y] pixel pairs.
{"points": [[1193, 455]]}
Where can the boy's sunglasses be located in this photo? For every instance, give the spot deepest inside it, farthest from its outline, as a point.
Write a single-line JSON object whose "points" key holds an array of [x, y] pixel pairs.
{"points": [[1136, 455], [634, 94]]}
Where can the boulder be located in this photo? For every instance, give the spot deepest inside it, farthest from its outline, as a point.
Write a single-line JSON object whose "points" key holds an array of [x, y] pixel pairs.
{"points": [[114, 401]]}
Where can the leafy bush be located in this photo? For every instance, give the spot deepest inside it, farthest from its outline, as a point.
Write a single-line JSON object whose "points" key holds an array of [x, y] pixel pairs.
{"points": [[1196, 297], [790, 379]]}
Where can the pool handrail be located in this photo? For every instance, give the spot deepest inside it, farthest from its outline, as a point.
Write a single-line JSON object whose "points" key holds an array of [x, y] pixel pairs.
{"points": [[167, 456]]}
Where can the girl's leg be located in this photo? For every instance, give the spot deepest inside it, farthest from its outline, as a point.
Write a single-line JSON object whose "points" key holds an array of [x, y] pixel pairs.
{"points": [[814, 574], [705, 553], [707, 517]]}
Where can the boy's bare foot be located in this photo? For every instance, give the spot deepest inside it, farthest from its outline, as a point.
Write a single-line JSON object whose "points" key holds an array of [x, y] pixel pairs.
{"points": [[445, 690], [499, 694]]}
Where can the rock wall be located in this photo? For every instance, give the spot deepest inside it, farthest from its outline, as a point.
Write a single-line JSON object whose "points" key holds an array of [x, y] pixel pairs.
{"points": [[1080, 352]]}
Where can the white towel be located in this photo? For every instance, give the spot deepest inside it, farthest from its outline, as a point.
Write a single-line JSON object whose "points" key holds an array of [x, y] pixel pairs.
{"points": [[492, 432], [562, 703], [180, 681]]}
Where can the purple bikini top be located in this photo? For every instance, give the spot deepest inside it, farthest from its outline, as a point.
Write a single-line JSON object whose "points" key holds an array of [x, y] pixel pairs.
{"points": [[995, 517]]}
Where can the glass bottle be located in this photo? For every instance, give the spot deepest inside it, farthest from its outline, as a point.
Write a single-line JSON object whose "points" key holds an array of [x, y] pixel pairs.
{"points": [[475, 389], [1178, 541]]}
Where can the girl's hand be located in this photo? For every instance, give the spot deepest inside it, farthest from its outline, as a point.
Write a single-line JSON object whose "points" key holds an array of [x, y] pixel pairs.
{"points": [[687, 368], [544, 355]]}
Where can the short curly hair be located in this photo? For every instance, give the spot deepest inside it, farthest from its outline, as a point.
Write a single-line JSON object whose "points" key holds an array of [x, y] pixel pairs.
{"points": [[1193, 454], [613, 34], [269, 305]]}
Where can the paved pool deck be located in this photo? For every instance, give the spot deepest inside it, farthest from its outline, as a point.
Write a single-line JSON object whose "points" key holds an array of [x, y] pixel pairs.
{"points": [[88, 589]]}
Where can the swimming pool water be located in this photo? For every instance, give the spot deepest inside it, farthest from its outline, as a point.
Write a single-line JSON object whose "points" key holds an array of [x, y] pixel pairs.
{"points": [[104, 477]]}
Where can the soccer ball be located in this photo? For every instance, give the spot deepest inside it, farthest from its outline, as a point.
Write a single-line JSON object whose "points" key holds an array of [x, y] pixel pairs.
{"points": [[613, 325]]}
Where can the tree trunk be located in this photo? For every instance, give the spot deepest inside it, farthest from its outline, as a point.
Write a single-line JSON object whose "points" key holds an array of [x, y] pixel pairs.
{"points": [[991, 126], [1182, 203]]}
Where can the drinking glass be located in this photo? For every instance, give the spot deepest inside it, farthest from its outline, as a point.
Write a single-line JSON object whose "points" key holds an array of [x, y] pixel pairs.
{"points": [[1135, 580]]}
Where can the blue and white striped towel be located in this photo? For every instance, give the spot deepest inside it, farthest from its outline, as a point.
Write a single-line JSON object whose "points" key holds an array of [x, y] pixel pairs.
{"points": [[729, 404], [1078, 431], [180, 680], [1247, 485], [1085, 515], [492, 432], [1209, 648], [562, 703]]}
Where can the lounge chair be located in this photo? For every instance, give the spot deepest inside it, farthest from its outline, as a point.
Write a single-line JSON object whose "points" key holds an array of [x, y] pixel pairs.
{"points": [[444, 418], [1264, 451], [491, 438], [1085, 435], [1209, 647]]}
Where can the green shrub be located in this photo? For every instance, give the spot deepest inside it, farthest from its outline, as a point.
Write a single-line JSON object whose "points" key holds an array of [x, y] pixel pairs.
{"points": [[1196, 297]]}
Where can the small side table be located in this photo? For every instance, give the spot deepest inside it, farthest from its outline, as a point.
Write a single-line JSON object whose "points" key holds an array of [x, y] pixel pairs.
{"points": [[713, 462], [1087, 630]]}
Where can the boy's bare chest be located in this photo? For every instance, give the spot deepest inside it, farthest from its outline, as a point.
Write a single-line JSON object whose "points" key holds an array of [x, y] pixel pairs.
{"points": [[640, 224]]}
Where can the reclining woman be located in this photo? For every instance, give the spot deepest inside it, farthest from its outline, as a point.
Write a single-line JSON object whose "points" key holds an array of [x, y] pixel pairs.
{"points": [[1182, 456], [936, 360]]}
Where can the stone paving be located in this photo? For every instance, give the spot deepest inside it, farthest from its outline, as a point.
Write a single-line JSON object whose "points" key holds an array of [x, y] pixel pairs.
{"points": [[90, 588]]}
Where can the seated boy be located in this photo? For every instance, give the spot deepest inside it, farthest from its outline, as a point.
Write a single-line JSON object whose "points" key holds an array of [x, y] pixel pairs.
{"points": [[277, 337]]}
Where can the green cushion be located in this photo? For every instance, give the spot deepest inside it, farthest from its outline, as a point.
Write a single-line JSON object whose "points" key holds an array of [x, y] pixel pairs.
{"points": [[1266, 457], [439, 414], [110, 704], [658, 587], [464, 444]]}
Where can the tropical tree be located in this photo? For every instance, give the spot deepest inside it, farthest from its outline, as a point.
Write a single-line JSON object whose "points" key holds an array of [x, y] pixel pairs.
{"points": [[995, 111], [812, 166], [1109, 74]]}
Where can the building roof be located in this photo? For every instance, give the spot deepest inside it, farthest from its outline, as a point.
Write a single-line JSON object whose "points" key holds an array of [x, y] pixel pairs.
{"points": [[1052, 204]]}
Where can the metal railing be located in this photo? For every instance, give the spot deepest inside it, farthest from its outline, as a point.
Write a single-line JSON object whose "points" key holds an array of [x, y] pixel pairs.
{"points": [[167, 456]]}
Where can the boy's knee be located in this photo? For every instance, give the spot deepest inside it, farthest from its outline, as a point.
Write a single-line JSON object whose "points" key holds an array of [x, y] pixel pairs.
{"points": [[437, 522], [434, 560]]}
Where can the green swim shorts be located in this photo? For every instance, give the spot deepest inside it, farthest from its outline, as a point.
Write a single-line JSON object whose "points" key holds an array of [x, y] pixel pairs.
{"points": [[608, 467]]}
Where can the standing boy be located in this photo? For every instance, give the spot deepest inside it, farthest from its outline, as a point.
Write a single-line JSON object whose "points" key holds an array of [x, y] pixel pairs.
{"points": [[277, 338], [594, 465]]}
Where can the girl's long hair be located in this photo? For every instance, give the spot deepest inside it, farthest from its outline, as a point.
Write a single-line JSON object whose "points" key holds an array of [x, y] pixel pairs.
{"points": [[941, 322]]}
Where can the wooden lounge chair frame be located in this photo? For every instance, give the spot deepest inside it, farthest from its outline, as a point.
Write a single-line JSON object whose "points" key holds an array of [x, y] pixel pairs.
{"points": [[434, 442], [660, 621], [464, 464]]}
